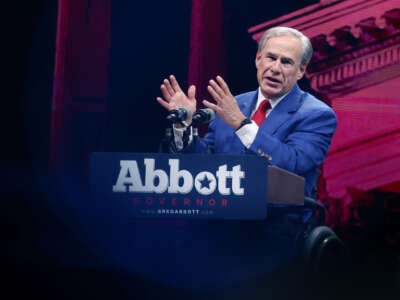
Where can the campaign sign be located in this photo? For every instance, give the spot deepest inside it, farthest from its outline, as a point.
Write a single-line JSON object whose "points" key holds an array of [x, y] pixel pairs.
{"points": [[189, 186]]}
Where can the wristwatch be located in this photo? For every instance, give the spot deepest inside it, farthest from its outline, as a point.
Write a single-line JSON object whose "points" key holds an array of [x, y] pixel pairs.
{"points": [[244, 122]]}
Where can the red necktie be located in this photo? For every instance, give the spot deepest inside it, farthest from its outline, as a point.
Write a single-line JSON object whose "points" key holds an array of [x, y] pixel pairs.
{"points": [[259, 115]]}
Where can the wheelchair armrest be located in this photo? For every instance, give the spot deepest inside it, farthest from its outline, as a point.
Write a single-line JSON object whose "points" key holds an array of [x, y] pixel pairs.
{"points": [[318, 209]]}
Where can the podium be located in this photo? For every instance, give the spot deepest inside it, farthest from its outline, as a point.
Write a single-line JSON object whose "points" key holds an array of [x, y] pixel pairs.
{"points": [[234, 231], [190, 186]]}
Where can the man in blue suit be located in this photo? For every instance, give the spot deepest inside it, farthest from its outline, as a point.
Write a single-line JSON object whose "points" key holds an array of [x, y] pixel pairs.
{"points": [[298, 128], [292, 129]]}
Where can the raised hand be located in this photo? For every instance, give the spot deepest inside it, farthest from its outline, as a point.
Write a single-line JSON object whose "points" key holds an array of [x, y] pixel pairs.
{"points": [[226, 106], [174, 97]]}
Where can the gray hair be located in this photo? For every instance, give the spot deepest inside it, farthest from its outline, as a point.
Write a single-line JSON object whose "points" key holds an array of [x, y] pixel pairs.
{"points": [[307, 50]]}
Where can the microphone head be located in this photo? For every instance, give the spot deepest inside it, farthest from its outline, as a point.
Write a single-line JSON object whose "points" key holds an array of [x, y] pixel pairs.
{"points": [[179, 115], [203, 116], [187, 112], [211, 114]]}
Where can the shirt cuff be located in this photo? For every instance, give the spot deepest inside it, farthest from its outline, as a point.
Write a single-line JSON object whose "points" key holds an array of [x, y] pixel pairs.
{"points": [[247, 134]]}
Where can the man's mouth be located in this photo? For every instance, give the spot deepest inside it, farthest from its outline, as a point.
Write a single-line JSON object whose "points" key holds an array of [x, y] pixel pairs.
{"points": [[273, 79]]}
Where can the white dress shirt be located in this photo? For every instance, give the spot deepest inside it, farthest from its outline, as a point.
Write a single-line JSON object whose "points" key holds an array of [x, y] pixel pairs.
{"points": [[248, 132]]}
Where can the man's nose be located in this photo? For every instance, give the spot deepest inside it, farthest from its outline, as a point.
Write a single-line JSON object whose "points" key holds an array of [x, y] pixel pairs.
{"points": [[276, 66]]}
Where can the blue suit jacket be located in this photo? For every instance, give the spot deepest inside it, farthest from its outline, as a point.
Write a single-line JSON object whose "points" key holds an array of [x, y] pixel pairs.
{"points": [[295, 136]]}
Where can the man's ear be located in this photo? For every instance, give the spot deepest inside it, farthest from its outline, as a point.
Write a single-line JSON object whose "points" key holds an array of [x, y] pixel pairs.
{"points": [[302, 71]]}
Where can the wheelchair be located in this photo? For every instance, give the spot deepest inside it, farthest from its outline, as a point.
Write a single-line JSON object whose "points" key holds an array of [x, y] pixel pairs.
{"points": [[325, 255]]}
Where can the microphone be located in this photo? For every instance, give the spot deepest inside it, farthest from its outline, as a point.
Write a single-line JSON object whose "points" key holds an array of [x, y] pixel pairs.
{"points": [[179, 115], [203, 116]]}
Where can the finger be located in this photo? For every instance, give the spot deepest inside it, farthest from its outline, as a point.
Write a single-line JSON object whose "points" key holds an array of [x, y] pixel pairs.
{"points": [[192, 92], [223, 85], [168, 87], [166, 92], [211, 105], [214, 93], [217, 88], [163, 103], [175, 84]]}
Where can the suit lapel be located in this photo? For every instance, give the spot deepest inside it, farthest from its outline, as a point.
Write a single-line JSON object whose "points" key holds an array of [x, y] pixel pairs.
{"points": [[283, 111], [247, 106]]}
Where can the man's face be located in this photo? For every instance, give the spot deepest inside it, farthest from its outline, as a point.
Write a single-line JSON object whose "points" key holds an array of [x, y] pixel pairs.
{"points": [[279, 65]]}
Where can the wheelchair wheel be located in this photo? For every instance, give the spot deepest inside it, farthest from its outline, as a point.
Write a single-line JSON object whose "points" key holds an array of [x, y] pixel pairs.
{"points": [[324, 252]]}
